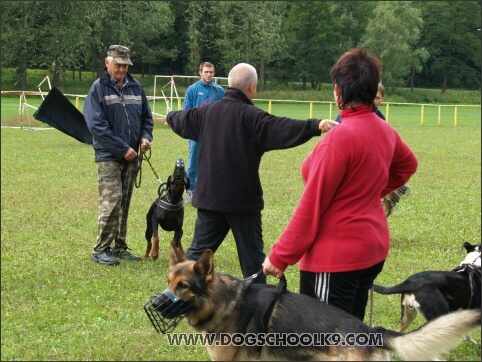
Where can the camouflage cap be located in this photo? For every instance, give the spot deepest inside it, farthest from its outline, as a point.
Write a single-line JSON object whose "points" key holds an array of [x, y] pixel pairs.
{"points": [[120, 54]]}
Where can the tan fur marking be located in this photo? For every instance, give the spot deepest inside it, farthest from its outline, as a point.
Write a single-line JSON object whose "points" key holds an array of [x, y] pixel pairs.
{"points": [[410, 309]]}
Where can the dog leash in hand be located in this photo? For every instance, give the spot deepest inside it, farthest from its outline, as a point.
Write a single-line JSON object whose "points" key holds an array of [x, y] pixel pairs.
{"points": [[144, 156], [281, 287]]}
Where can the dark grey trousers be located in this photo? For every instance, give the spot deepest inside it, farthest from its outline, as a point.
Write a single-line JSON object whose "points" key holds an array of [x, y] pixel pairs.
{"points": [[212, 227]]}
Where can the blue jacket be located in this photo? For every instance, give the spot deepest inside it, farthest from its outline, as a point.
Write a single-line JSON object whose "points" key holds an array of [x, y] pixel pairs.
{"points": [[117, 119], [201, 93]]}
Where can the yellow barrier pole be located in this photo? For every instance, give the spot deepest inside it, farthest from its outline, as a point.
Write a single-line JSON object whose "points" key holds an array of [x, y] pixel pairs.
{"points": [[439, 114], [455, 116], [270, 103], [387, 111], [331, 106], [311, 110], [421, 115], [77, 102]]}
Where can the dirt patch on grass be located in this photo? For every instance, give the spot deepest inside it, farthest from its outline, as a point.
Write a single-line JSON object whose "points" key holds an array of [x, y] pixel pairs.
{"points": [[16, 121]]}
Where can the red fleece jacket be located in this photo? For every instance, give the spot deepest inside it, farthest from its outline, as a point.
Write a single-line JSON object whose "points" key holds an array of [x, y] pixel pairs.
{"points": [[339, 224]]}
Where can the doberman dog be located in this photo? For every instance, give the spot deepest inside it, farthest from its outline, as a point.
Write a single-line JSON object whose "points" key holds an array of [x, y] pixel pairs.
{"points": [[167, 211]]}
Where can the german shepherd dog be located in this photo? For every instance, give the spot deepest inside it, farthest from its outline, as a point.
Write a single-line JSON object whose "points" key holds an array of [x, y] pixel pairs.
{"points": [[167, 211], [279, 322], [435, 293]]}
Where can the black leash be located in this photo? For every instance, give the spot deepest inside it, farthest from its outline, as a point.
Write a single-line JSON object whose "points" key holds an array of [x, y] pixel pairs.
{"points": [[147, 157], [266, 314], [262, 315], [281, 287]]}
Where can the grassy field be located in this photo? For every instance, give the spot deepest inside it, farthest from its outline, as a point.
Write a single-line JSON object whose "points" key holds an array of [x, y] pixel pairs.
{"points": [[396, 113], [58, 305]]}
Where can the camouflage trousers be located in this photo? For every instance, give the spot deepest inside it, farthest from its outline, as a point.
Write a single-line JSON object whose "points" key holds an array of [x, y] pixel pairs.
{"points": [[115, 181]]}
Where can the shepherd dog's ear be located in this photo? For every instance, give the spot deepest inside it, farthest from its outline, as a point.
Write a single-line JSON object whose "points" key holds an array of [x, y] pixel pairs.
{"points": [[176, 255], [205, 265]]}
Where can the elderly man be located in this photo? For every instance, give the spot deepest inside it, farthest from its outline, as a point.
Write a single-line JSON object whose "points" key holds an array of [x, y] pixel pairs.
{"points": [[120, 120]]}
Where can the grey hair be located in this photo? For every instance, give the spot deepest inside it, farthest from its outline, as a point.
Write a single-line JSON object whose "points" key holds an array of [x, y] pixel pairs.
{"points": [[241, 76]]}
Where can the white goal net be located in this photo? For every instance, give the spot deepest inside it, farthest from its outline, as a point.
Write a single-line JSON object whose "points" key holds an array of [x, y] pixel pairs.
{"points": [[166, 95]]}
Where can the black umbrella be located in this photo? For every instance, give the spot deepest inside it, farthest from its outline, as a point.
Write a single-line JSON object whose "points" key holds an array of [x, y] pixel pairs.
{"points": [[57, 111]]}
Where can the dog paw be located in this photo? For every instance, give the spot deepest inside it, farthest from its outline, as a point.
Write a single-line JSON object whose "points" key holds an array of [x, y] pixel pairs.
{"points": [[469, 339]]}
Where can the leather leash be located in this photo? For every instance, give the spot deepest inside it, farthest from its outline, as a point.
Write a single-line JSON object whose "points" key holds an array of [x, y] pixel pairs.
{"points": [[144, 156]]}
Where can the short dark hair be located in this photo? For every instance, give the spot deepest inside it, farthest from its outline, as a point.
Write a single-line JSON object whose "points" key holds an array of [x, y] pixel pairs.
{"points": [[206, 65], [357, 74]]}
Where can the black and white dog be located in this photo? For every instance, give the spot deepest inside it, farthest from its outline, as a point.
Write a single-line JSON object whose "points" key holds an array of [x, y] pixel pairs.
{"points": [[434, 293]]}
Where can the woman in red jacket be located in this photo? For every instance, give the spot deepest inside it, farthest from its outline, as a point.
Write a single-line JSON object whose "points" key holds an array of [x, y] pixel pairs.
{"points": [[338, 232]]}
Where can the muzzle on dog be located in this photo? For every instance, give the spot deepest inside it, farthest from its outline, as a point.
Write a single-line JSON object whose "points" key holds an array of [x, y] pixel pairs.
{"points": [[165, 310]]}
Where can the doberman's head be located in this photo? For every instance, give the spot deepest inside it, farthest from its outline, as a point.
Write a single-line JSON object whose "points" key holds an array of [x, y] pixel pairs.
{"points": [[178, 181]]}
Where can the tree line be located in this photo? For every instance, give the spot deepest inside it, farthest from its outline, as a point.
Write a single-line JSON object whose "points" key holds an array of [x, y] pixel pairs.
{"points": [[420, 44]]}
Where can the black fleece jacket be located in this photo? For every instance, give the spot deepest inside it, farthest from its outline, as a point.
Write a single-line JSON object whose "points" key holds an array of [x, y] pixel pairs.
{"points": [[233, 134]]}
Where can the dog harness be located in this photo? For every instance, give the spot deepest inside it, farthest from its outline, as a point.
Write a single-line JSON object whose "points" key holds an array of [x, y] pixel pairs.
{"points": [[252, 312], [474, 276], [163, 204]]}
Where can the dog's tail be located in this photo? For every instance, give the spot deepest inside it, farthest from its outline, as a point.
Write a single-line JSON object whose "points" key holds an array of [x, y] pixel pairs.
{"points": [[435, 338], [396, 289]]}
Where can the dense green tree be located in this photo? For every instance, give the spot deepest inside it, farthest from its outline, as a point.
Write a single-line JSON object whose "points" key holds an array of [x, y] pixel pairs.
{"points": [[284, 40], [19, 45], [393, 34], [354, 16], [142, 26], [314, 39], [60, 36], [453, 41], [249, 31], [150, 23]]}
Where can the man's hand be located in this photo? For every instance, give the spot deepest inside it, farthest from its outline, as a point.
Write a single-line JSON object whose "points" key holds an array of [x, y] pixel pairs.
{"points": [[130, 154], [145, 145], [326, 124]]}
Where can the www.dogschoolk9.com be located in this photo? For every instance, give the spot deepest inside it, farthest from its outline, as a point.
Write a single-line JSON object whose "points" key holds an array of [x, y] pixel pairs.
{"points": [[275, 339]]}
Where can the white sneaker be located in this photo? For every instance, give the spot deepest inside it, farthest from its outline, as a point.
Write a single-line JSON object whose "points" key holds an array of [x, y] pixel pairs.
{"points": [[189, 195]]}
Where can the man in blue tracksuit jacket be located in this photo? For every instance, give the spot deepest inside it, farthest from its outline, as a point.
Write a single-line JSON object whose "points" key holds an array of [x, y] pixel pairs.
{"points": [[117, 114], [202, 92]]}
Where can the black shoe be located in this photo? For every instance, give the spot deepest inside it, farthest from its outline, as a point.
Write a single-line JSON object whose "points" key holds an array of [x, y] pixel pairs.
{"points": [[126, 255], [105, 257]]}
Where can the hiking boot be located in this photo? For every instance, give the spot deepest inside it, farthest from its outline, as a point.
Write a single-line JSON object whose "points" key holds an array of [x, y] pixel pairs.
{"points": [[124, 254], [189, 195], [105, 257]]}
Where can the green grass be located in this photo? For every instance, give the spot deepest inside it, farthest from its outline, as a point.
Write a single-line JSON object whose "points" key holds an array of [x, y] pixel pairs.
{"points": [[58, 305], [397, 114]]}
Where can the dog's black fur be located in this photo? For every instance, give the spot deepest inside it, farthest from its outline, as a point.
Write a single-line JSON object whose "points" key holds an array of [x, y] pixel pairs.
{"points": [[220, 304], [435, 293], [167, 211]]}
